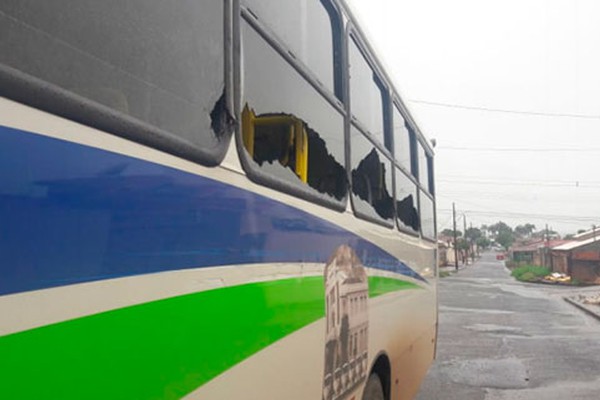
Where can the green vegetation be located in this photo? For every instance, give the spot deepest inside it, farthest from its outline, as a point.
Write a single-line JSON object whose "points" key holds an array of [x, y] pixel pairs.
{"points": [[444, 274], [530, 273]]}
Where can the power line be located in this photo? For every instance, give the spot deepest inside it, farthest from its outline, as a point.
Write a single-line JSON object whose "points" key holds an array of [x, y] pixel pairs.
{"points": [[552, 217], [506, 111], [573, 184], [521, 149], [511, 179]]}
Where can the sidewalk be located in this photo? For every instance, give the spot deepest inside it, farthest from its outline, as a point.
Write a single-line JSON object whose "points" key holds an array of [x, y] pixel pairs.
{"points": [[578, 301]]}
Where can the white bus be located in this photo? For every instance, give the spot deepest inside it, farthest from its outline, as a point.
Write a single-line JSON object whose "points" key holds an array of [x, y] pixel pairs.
{"points": [[208, 200]]}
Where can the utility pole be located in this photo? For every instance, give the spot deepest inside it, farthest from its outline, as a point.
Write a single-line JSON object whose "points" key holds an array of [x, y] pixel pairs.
{"points": [[466, 260], [472, 245], [455, 244], [545, 261]]}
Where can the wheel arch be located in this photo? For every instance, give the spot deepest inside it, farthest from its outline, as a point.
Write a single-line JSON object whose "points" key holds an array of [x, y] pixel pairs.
{"points": [[383, 368]]}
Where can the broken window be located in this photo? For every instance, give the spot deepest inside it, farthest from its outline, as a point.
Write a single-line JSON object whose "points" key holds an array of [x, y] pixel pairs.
{"points": [[427, 215], [371, 179], [309, 30], [406, 202], [289, 131], [367, 94], [159, 62]]}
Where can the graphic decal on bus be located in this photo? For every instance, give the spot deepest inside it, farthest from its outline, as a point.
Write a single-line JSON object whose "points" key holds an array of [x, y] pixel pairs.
{"points": [[346, 316]]}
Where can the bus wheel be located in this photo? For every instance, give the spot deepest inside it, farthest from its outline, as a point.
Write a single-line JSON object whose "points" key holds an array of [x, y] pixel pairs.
{"points": [[373, 389]]}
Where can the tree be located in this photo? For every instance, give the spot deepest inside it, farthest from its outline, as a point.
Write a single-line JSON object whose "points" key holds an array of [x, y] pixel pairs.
{"points": [[450, 232], [500, 227], [483, 242], [472, 234], [524, 230], [505, 239]]}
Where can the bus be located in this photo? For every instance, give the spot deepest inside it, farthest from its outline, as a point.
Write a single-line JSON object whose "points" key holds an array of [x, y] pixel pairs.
{"points": [[209, 200]]}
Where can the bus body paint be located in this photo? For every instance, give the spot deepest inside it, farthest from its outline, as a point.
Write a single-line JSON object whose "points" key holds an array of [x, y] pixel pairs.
{"points": [[163, 349], [73, 214]]}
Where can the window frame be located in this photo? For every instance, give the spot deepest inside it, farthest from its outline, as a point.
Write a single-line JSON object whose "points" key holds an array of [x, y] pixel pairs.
{"points": [[40, 94], [271, 39], [353, 35], [357, 212], [401, 228], [422, 191]]}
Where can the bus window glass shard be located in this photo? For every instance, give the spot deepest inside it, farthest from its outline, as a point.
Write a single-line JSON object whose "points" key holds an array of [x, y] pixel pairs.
{"points": [[371, 179], [160, 63], [406, 202], [289, 131]]}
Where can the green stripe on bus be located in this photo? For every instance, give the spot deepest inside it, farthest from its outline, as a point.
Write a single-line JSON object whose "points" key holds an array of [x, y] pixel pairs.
{"points": [[379, 285], [159, 350], [163, 349]]}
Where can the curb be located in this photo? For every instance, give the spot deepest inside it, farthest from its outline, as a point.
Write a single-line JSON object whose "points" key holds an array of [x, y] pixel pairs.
{"points": [[583, 308]]}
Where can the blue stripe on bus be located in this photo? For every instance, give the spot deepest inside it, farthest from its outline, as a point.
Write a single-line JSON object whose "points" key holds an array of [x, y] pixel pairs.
{"points": [[71, 213]]}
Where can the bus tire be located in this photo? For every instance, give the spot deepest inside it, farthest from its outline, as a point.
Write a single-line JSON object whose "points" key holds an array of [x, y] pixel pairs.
{"points": [[373, 389]]}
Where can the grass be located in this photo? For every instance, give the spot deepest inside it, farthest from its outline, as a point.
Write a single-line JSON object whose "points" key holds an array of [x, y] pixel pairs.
{"points": [[444, 274], [530, 273]]}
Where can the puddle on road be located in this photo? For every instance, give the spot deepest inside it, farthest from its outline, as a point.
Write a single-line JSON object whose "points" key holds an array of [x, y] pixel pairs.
{"points": [[523, 291], [507, 373], [497, 329], [572, 390], [474, 310]]}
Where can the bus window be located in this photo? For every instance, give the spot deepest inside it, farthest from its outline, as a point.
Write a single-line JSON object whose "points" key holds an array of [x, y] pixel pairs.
{"points": [[157, 62], [371, 180], [290, 132], [401, 140], [366, 94], [308, 29], [406, 202], [423, 166], [431, 186], [414, 159], [427, 215]]}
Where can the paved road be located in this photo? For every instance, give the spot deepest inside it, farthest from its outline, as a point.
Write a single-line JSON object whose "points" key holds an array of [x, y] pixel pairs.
{"points": [[501, 339]]}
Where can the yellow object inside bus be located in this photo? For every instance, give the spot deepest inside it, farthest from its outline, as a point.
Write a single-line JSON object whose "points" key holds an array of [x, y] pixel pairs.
{"points": [[282, 137]]}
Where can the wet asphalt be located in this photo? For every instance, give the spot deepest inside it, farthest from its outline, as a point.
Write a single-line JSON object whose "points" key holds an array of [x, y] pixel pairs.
{"points": [[502, 339]]}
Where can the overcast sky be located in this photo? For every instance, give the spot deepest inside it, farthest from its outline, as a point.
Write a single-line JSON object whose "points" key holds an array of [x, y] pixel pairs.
{"points": [[510, 90]]}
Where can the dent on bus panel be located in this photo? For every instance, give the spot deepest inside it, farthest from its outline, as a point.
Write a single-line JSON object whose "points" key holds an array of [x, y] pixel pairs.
{"points": [[285, 146]]}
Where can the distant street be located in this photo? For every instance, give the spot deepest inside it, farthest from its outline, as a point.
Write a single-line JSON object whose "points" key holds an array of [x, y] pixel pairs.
{"points": [[502, 339]]}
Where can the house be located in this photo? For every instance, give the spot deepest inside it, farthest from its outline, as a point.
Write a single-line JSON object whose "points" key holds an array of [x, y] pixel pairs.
{"points": [[527, 253], [535, 253], [579, 259]]}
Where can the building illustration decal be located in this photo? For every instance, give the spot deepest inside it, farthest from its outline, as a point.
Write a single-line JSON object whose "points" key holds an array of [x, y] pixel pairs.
{"points": [[346, 330]]}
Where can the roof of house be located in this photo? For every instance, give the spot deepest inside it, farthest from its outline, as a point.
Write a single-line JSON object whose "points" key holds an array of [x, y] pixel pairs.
{"points": [[539, 244], [583, 235], [575, 244]]}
